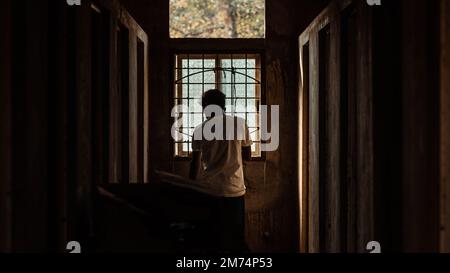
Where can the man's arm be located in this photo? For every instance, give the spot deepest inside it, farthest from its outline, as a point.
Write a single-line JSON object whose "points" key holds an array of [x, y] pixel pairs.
{"points": [[195, 164]]}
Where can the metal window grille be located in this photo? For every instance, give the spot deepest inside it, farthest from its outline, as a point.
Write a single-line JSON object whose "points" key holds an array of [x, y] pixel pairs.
{"points": [[236, 75]]}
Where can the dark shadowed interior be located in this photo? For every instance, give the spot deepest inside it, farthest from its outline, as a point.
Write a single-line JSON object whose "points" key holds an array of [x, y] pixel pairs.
{"points": [[86, 94]]}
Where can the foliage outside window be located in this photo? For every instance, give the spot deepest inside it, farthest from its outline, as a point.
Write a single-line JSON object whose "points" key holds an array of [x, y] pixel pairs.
{"points": [[217, 19]]}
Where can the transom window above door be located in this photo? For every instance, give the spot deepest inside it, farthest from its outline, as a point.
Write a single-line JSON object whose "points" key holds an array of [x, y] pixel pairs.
{"points": [[231, 19]]}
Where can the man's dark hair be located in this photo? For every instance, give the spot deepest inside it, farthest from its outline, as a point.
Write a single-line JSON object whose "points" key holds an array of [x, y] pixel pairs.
{"points": [[214, 97]]}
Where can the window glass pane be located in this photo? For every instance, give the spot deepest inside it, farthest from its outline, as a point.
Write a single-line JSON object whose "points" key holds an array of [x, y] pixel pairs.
{"points": [[185, 63], [252, 105], [252, 120], [195, 63], [210, 63], [240, 115], [209, 86], [240, 76], [184, 75], [251, 76], [226, 89], [210, 77], [196, 76], [225, 63], [185, 119], [251, 90], [195, 120], [186, 90], [238, 63], [251, 63], [240, 105], [195, 106], [214, 18], [226, 75], [229, 104], [195, 90], [239, 90]]}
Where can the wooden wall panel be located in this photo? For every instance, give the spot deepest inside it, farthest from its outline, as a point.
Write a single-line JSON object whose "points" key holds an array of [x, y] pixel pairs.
{"points": [[324, 113], [328, 212], [30, 126], [133, 111], [348, 128], [124, 133], [333, 127], [100, 48], [48, 123], [123, 57], [303, 146], [420, 121], [5, 128], [364, 133], [59, 126], [146, 118], [445, 127], [114, 105], [83, 111], [324, 137], [142, 102], [135, 127], [313, 162]]}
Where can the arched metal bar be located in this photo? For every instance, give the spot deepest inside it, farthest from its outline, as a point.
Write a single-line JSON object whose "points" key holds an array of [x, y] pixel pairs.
{"points": [[232, 70]]}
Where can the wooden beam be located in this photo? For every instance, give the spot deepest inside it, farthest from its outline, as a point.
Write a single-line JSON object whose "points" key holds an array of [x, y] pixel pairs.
{"points": [[313, 162], [133, 110], [364, 133], [146, 117], [30, 126], [83, 112], [333, 202], [114, 164], [420, 121], [5, 128], [445, 128], [304, 145], [59, 180]]}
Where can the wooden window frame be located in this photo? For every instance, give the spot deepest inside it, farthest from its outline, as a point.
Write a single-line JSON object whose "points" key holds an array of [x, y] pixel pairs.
{"points": [[218, 55]]}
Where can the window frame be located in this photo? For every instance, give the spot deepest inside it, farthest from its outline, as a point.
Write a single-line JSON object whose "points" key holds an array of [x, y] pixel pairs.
{"points": [[199, 52]]}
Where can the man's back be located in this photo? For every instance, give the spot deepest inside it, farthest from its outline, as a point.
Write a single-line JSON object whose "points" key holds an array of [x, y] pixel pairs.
{"points": [[221, 158]]}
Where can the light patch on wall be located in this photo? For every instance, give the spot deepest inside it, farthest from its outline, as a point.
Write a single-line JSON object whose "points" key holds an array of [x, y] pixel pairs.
{"points": [[217, 19]]}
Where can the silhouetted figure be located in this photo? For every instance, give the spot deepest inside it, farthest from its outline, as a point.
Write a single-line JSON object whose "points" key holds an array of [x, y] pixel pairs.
{"points": [[218, 163]]}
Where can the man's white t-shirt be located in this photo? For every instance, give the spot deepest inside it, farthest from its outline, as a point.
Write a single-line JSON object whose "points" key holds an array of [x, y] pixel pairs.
{"points": [[221, 159]]}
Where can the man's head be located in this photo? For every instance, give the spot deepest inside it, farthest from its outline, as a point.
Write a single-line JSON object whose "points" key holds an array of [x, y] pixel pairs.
{"points": [[213, 97]]}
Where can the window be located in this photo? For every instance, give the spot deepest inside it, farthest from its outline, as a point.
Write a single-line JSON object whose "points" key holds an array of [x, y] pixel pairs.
{"points": [[238, 76], [217, 18]]}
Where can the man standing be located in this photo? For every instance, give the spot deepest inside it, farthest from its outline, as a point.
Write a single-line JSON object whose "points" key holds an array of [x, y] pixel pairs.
{"points": [[220, 144]]}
